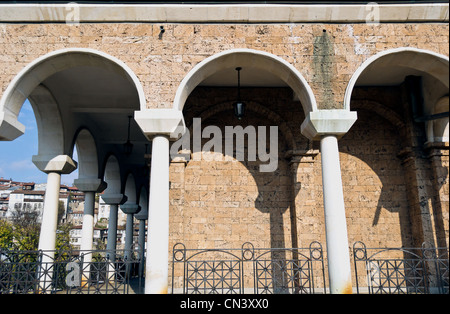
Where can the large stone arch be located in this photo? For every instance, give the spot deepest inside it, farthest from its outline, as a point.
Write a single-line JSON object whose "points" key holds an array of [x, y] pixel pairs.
{"points": [[392, 66], [393, 60], [249, 58], [26, 81]]}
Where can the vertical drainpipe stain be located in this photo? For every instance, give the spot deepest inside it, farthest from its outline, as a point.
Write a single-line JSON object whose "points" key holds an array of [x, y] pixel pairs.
{"points": [[323, 61]]}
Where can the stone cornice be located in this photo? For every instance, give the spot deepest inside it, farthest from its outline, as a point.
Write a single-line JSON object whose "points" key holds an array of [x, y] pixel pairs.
{"points": [[233, 13]]}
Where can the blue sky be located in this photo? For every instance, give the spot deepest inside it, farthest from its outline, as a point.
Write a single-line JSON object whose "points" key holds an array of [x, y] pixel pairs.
{"points": [[15, 156]]}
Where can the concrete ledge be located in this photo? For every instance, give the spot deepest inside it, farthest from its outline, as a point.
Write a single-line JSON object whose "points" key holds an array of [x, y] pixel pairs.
{"points": [[10, 127], [62, 164], [116, 199], [326, 122], [245, 13], [90, 185], [129, 208], [169, 122]]}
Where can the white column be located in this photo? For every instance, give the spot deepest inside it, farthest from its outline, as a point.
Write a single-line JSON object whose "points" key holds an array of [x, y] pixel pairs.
{"points": [[87, 234], [159, 125], [142, 216], [338, 253], [47, 238], [54, 166], [113, 200], [156, 279], [112, 230], [327, 126], [130, 210], [89, 186]]}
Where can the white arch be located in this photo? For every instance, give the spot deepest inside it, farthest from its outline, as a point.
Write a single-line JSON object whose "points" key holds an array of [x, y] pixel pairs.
{"points": [[414, 58], [112, 176], [45, 66], [250, 58], [49, 122], [130, 189], [87, 155]]}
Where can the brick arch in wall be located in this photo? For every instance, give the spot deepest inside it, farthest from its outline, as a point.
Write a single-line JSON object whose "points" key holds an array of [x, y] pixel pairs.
{"points": [[226, 203], [258, 108]]}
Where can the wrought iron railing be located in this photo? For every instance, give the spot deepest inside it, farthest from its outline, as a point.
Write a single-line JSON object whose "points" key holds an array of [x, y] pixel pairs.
{"points": [[69, 272], [248, 270], [401, 270]]}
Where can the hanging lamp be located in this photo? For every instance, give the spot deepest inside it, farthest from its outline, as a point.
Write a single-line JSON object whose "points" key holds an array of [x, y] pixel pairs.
{"points": [[239, 106]]}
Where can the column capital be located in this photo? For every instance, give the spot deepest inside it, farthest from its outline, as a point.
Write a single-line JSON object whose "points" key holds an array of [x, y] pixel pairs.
{"points": [[90, 185], [168, 122], [328, 122], [129, 208], [114, 199], [142, 214], [10, 127], [62, 164]]}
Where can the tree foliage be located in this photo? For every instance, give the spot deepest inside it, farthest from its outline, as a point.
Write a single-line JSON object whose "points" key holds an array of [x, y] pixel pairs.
{"points": [[22, 232]]}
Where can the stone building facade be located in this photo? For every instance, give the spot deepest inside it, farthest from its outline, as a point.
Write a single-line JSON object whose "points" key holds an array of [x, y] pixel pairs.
{"points": [[393, 161]]}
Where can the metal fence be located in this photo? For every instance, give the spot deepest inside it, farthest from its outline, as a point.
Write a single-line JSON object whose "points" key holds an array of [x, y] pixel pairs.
{"points": [[69, 272], [401, 270], [248, 270]]}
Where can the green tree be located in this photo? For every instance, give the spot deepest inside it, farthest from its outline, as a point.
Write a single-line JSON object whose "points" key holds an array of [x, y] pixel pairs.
{"points": [[63, 237], [26, 229], [6, 234]]}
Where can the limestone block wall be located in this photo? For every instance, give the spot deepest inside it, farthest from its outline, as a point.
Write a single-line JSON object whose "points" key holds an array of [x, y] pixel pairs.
{"points": [[226, 199], [325, 54], [224, 204]]}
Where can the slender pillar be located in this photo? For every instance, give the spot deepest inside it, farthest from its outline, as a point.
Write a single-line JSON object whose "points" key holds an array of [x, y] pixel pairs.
{"points": [[90, 186], [142, 216], [338, 253], [156, 280], [113, 200], [130, 210], [159, 125], [327, 126], [47, 238], [54, 166], [112, 230], [87, 234]]}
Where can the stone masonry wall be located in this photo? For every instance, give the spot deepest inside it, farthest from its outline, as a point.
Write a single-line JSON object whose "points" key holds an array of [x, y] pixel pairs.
{"points": [[326, 54]]}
